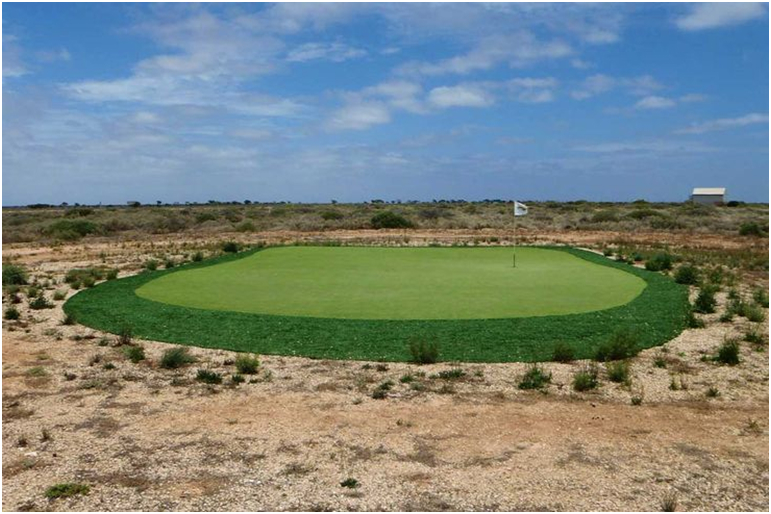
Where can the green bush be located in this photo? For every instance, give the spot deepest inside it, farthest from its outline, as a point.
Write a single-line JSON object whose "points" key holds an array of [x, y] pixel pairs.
{"points": [[247, 364], [705, 303], [246, 226], [11, 313], [751, 229], [624, 343], [197, 257], [111, 274], [230, 247], [71, 230], [208, 377], [390, 219], [450, 374], [728, 353], [687, 274], [69, 319], [151, 265], [332, 215], [659, 262], [169, 263], [350, 483], [754, 313], [691, 321], [535, 378], [618, 371], [563, 352], [176, 357], [586, 379], [40, 303], [60, 295], [424, 351], [134, 353], [14, 275], [66, 490], [605, 216], [236, 379], [761, 297]]}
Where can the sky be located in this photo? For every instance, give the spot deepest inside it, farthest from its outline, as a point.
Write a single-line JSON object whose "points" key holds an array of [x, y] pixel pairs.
{"points": [[109, 103]]}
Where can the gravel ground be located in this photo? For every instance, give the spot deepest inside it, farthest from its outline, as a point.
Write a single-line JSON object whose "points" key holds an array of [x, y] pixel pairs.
{"points": [[145, 438]]}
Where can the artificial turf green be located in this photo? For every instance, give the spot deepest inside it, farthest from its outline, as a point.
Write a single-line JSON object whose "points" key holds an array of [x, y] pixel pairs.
{"points": [[657, 314], [400, 283]]}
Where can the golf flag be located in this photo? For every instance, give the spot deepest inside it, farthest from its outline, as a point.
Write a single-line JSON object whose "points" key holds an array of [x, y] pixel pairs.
{"points": [[520, 209]]}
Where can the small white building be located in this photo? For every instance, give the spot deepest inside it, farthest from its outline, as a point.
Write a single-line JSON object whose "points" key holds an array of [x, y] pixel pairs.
{"points": [[708, 195]]}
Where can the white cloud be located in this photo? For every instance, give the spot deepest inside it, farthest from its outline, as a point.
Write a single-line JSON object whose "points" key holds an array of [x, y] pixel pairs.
{"points": [[400, 94], [693, 97], [462, 95], [722, 14], [644, 147], [335, 52], [597, 84], [580, 64], [359, 115], [533, 90], [725, 123], [655, 102], [516, 50]]}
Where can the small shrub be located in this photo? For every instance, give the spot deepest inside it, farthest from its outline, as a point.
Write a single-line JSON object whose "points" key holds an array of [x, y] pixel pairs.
{"points": [[586, 379], [134, 353], [712, 392], [66, 490], [33, 292], [622, 345], [728, 353], [176, 357], [754, 313], [208, 377], [350, 483], [89, 282], [607, 252], [563, 352], [761, 297], [390, 219], [151, 265], [535, 378], [660, 362], [618, 371], [752, 229], [14, 275], [424, 351], [125, 336], [637, 400], [406, 379], [450, 374], [11, 313], [230, 247], [705, 303], [332, 215], [247, 364], [691, 321], [111, 274], [71, 230], [381, 391], [169, 263], [40, 303], [604, 216], [109, 366], [236, 379], [60, 295], [687, 274], [659, 262], [69, 319]]}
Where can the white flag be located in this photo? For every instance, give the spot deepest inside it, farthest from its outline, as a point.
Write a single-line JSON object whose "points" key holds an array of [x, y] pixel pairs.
{"points": [[520, 209]]}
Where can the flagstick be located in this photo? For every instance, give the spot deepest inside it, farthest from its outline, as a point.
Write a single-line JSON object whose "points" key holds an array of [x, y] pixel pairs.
{"points": [[515, 234]]}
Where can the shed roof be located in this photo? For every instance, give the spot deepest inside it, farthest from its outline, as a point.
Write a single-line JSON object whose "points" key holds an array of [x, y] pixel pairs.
{"points": [[708, 191]]}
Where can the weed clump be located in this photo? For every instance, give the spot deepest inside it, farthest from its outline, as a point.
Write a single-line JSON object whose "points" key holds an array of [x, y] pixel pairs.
{"points": [[586, 379], [450, 374], [659, 262], [176, 358], [350, 483], [40, 303], [134, 353], [66, 490], [151, 265], [687, 274], [705, 303], [230, 247], [11, 313], [208, 377], [622, 345], [423, 351], [14, 275], [618, 372], [247, 364], [535, 378], [728, 353]]}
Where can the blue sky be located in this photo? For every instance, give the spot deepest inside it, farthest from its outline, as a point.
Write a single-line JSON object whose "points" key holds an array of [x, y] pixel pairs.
{"points": [[312, 102]]}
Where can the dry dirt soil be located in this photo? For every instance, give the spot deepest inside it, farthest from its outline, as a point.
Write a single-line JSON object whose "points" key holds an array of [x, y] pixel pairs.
{"points": [[145, 438]]}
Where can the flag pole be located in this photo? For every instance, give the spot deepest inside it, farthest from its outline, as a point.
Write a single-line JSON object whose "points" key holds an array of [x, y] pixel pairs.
{"points": [[514, 255]]}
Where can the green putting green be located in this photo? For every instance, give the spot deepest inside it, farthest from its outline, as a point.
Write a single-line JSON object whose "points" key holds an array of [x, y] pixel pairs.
{"points": [[400, 284], [362, 303]]}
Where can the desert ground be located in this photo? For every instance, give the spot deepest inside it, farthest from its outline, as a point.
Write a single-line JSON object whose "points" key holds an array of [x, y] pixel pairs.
{"points": [[684, 433]]}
